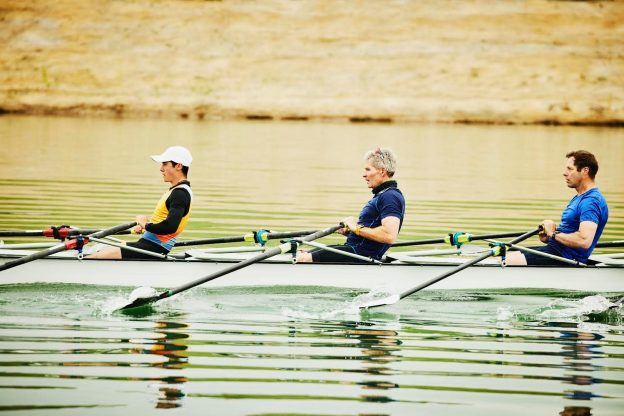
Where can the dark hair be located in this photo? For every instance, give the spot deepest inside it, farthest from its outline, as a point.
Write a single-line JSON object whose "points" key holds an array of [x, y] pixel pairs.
{"points": [[584, 159], [185, 169]]}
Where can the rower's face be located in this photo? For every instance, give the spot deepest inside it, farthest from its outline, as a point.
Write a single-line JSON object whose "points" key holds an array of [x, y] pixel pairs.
{"points": [[373, 176], [572, 176], [168, 170]]}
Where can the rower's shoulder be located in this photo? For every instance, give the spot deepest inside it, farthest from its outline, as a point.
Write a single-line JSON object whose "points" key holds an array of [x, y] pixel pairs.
{"points": [[182, 191]]}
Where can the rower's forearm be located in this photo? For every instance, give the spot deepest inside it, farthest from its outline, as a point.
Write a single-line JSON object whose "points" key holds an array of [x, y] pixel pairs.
{"points": [[378, 234], [574, 240]]}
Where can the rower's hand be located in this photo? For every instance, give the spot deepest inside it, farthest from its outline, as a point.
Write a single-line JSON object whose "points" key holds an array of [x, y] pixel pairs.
{"points": [[350, 224], [548, 227], [141, 221]]}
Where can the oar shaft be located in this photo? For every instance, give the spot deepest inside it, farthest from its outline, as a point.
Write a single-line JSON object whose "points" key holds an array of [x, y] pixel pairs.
{"points": [[45, 233], [444, 240], [463, 266], [216, 240], [283, 248], [112, 230], [129, 248], [547, 255], [445, 275], [343, 253], [63, 246], [241, 238], [22, 246], [34, 256], [607, 244]]}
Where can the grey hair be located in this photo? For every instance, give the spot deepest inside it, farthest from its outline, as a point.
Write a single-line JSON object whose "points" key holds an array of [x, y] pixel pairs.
{"points": [[382, 158]]}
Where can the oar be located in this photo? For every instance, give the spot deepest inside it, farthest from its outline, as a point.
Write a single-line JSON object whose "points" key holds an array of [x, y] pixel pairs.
{"points": [[255, 237], [395, 298], [455, 239], [541, 253], [67, 245], [607, 244], [283, 248], [59, 233]]}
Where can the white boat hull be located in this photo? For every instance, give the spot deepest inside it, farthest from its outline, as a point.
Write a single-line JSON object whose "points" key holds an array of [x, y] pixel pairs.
{"points": [[394, 277]]}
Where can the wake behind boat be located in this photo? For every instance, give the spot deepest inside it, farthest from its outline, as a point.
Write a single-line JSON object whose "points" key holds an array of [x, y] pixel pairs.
{"points": [[402, 271]]}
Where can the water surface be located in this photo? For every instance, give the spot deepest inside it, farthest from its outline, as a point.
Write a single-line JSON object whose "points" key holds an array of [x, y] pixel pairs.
{"points": [[303, 351]]}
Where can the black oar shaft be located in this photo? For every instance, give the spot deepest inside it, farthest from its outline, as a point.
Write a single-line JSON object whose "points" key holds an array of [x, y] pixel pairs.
{"points": [[463, 266], [445, 275], [216, 240], [444, 240], [62, 247], [607, 244], [237, 266], [267, 254], [44, 233], [241, 238], [35, 256]]}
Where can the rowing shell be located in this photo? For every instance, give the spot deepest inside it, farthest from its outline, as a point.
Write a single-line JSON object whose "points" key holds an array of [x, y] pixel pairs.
{"points": [[395, 276]]}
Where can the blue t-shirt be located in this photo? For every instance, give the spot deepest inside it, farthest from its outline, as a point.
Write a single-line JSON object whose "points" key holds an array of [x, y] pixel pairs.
{"points": [[589, 206], [388, 202]]}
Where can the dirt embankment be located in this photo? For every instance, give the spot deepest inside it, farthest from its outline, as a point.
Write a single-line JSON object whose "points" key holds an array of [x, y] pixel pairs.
{"points": [[487, 61]]}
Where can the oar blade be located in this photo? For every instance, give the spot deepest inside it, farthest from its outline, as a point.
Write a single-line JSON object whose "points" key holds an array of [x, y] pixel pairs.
{"points": [[141, 297], [375, 303], [139, 303], [147, 299]]}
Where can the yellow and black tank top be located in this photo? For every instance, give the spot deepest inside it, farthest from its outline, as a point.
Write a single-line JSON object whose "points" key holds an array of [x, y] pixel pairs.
{"points": [[170, 216]]}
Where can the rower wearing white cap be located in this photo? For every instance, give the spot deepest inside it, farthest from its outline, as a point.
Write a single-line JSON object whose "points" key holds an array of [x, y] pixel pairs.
{"points": [[171, 214]]}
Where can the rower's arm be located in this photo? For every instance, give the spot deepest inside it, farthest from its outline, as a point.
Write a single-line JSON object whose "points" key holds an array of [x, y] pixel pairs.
{"points": [[179, 203], [582, 238], [386, 233]]}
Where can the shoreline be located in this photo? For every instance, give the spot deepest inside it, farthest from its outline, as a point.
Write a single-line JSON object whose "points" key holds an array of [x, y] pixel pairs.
{"points": [[193, 114]]}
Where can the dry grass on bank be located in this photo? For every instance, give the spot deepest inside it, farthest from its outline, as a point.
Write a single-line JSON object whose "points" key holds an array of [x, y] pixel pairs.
{"points": [[477, 61]]}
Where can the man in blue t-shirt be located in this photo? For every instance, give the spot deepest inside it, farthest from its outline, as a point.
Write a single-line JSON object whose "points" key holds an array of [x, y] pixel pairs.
{"points": [[380, 220], [582, 220]]}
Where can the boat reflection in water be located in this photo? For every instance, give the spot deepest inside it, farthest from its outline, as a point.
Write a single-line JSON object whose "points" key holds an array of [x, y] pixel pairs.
{"points": [[170, 342]]}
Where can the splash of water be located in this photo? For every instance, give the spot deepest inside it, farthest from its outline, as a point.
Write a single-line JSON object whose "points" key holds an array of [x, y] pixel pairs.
{"points": [[114, 304], [562, 308], [349, 309], [376, 297], [504, 313]]}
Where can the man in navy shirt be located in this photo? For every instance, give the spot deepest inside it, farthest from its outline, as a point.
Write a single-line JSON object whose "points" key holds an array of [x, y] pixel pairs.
{"points": [[380, 220], [582, 220]]}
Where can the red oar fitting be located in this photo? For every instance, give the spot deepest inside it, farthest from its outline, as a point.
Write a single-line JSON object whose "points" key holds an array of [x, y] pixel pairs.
{"points": [[60, 233]]}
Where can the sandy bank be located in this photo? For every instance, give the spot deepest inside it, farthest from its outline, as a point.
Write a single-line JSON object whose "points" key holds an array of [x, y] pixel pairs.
{"points": [[488, 61]]}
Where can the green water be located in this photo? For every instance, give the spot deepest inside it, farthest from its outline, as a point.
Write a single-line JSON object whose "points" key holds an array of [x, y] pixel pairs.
{"points": [[302, 351]]}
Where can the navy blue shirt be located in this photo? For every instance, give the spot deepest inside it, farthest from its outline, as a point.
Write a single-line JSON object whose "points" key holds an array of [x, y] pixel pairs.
{"points": [[588, 206], [388, 201]]}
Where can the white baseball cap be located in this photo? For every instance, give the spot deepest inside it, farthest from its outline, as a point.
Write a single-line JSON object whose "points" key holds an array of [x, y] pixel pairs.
{"points": [[177, 154]]}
